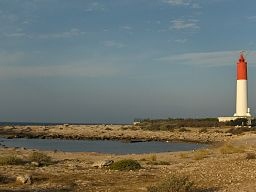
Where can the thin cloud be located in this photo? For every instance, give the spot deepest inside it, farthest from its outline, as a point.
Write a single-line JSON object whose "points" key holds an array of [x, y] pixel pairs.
{"points": [[252, 18], [126, 27], [26, 65], [181, 24], [182, 41], [113, 44], [187, 3], [7, 58], [57, 71], [66, 34], [178, 2], [15, 35], [74, 32], [209, 59], [95, 6]]}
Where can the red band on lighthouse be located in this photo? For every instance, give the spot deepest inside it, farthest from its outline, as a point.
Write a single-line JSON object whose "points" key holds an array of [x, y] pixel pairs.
{"points": [[241, 68]]}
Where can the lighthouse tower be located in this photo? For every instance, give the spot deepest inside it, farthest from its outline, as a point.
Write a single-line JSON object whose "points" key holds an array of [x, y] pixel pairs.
{"points": [[242, 109]]}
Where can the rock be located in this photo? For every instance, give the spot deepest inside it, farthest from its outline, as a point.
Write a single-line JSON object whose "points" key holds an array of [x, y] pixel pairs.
{"points": [[34, 163], [103, 163], [26, 179]]}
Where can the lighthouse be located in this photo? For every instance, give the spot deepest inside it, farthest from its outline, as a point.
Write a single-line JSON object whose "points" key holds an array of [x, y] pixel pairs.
{"points": [[242, 109]]}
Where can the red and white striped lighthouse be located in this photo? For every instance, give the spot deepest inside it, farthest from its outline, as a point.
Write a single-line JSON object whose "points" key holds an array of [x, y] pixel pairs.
{"points": [[242, 109]]}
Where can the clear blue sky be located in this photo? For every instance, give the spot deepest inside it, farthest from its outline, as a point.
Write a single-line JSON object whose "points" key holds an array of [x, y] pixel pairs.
{"points": [[116, 60]]}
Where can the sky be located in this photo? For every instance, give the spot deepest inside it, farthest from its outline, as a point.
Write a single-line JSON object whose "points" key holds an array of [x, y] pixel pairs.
{"points": [[110, 61]]}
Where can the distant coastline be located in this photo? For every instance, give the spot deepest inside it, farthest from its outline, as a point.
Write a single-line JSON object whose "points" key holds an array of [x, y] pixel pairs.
{"points": [[51, 124]]}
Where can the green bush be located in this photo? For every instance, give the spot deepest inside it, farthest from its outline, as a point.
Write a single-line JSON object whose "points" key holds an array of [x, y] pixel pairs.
{"points": [[237, 122], [41, 158], [125, 165], [10, 160], [174, 184]]}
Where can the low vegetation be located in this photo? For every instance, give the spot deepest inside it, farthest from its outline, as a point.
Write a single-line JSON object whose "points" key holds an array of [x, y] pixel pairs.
{"points": [[250, 156], [201, 154], [204, 123], [175, 184], [238, 130], [152, 157], [230, 149], [158, 163], [184, 155], [40, 158], [4, 179], [125, 165], [172, 124], [10, 160]]}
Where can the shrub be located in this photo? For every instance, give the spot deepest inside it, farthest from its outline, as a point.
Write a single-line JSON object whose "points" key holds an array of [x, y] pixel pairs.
{"points": [[229, 149], [239, 130], [10, 160], [237, 122], [174, 184], [4, 179], [41, 158], [125, 165], [250, 156]]}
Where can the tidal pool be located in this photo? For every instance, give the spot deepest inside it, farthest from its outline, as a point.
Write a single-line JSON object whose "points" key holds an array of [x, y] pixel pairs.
{"points": [[100, 146]]}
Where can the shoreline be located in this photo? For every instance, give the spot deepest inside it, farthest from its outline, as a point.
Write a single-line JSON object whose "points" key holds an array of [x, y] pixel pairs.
{"points": [[126, 133]]}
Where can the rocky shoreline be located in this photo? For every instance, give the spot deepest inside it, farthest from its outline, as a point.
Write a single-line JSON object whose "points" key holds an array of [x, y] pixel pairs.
{"points": [[228, 167], [127, 133]]}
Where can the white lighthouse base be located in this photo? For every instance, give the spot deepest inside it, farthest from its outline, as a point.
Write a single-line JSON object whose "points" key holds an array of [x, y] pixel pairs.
{"points": [[225, 119]]}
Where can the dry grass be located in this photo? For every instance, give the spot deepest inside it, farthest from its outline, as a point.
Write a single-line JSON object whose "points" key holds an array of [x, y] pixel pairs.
{"points": [[158, 163], [201, 154], [230, 149], [152, 157], [184, 155]]}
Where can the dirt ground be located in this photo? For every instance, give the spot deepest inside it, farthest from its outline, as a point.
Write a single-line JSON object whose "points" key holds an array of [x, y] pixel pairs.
{"points": [[218, 168]]}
